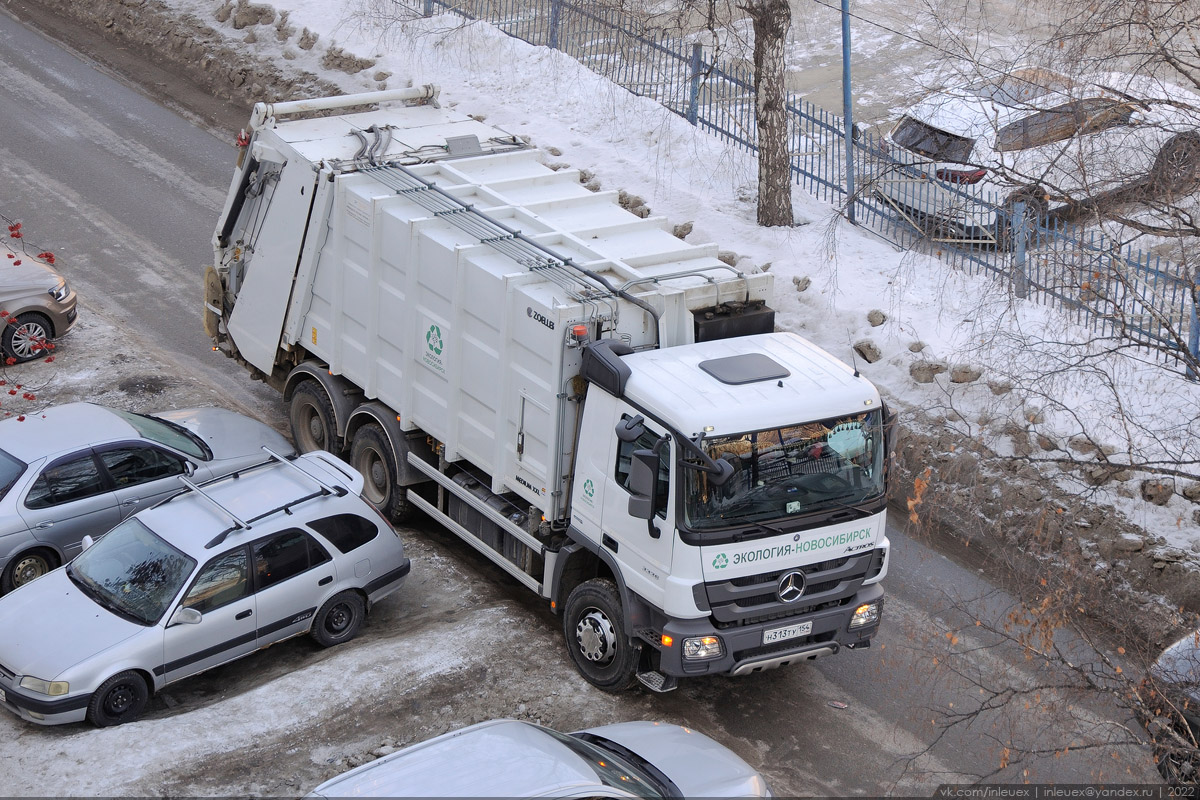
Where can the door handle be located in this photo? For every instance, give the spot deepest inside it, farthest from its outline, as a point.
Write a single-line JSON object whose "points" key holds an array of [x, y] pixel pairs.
{"points": [[44, 525], [326, 580], [245, 614], [132, 502]]}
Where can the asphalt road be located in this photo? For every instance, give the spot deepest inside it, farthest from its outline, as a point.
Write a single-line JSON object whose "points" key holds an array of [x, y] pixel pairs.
{"points": [[128, 190]]}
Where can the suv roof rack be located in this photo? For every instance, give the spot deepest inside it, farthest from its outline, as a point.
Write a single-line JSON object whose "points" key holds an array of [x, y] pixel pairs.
{"points": [[324, 489]]}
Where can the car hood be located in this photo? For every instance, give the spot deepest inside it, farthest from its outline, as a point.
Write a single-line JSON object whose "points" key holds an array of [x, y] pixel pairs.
{"points": [[27, 277], [695, 763], [228, 434], [1179, 665], [963, 115], [49, 626]]}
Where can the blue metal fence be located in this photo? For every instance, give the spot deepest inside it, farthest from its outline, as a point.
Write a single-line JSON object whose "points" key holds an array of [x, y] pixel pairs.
{"points": [[1118, 291]]}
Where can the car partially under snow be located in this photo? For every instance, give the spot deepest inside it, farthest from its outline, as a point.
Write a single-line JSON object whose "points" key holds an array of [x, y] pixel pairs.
{"points": [[961, 160]]}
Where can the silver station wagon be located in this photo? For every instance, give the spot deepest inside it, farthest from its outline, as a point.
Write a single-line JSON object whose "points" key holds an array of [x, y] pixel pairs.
{"points": [[80, 468], [211, 574]]}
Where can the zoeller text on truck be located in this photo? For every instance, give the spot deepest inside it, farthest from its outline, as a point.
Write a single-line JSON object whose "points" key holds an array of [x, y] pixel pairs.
{"points": [[600, 408]]}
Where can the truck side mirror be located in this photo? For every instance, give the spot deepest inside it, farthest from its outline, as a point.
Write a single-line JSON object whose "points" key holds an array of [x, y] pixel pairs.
{"points": [[643, 484], [630, 428]]}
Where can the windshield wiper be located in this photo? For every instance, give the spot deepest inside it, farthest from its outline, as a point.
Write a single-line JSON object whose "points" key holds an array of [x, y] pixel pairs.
{"points": [[101, 600]]}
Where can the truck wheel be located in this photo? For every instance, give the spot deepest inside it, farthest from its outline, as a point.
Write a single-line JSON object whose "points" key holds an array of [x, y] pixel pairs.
{"points": [[596, 637], [371, 454], [314, 426], [120, 699]]}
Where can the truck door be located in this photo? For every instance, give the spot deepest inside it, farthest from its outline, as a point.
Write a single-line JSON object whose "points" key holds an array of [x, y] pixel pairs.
{"points": [[273, 252], [645, 548]]}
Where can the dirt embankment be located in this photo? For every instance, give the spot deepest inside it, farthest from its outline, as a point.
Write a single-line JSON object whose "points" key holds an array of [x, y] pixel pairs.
{"points": [[1016, 519]]}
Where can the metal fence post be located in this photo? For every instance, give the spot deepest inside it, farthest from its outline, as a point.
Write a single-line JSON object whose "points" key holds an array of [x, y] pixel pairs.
{"points": [[1018, 224], [693, 112], [428, 10], [1193, 331], [555, 19], [847, 108]]}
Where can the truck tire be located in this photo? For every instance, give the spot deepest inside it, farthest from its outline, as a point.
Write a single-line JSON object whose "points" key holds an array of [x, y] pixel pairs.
{"points": [[371, 454], [595, 633], [314, 426]]}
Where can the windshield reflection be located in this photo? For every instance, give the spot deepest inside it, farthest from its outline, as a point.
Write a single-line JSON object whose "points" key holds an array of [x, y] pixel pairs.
{"points": [[132, 572], [789, 472]]}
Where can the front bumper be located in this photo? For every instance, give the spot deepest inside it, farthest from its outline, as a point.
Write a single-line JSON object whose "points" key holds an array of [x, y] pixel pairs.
{"points": [[743, 651], [39, 709]]}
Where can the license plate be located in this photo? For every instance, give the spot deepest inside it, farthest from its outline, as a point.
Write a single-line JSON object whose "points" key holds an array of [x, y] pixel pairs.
{"points": [[787, 632], [3, 696]]}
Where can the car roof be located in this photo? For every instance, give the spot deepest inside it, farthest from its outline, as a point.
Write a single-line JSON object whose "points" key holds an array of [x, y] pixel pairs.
{"points": [[500, 758], [254, 498], [61, 428]]}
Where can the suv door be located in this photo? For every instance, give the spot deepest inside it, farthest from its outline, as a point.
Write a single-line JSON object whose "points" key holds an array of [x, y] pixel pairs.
{"points": [[70, 497], [141, 474], [221, 592], [292, 572]]}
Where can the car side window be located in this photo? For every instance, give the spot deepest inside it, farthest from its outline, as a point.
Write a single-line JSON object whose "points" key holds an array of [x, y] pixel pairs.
{"points": [[625, 454], [1103, 114], [66, 481], [134, 464], [346, 531], [286, 554], [223, 580]]}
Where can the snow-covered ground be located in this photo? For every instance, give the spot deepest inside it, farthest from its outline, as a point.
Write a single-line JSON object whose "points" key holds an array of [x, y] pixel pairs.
{"points": [[829, 274]]}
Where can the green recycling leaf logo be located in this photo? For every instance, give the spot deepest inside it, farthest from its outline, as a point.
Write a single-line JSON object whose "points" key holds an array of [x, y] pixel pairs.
{"points": [[721, 561], [589, 488], [434, 339]]}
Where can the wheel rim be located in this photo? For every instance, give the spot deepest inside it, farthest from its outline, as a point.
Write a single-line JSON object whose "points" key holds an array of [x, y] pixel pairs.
{"points": [[1180, 167], [119, 699], [29, 340], [374, 470], [29, 568], [311, 428], [339, 619], [596, 637]]}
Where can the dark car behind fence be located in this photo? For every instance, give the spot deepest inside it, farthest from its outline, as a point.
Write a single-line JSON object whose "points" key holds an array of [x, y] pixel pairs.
{"points": [[1118, 291]]}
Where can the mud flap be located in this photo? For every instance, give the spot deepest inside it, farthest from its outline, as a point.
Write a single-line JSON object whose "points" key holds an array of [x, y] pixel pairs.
{"points": [[214, 296]]}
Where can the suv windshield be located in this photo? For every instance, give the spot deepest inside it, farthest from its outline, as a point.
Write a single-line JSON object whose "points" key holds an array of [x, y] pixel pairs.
{"points": [[789, 472], [132, 572], [10, 469], [166, 433], [914, 135]]}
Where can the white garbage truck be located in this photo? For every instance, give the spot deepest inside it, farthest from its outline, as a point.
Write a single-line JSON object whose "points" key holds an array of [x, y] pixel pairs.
{"points": [[600, 408]]}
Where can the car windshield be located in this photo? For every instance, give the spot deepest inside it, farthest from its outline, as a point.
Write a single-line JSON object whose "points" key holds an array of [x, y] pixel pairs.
{"points": [[611, 769], [914, 135], [789, 472], [132, 572], [166, 433], [10, 469]]}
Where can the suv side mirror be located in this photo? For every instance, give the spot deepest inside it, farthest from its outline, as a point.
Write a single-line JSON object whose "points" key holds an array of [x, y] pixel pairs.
{"points": [[643, 484], [87, 542], [185, 616]]}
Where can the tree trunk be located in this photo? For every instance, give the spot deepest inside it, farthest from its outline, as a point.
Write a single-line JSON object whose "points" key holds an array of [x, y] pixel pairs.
{"points": [[771, 19]]}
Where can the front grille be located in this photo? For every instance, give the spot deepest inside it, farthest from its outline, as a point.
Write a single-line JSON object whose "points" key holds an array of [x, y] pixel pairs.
{"points": [[782, 647], [751, 599]]}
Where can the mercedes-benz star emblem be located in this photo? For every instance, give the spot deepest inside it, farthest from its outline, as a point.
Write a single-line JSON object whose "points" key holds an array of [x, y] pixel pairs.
{"points": [[791, 587]]}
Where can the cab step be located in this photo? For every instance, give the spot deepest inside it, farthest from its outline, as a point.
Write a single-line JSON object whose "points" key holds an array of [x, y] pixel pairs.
{"points": [[657, 682]]}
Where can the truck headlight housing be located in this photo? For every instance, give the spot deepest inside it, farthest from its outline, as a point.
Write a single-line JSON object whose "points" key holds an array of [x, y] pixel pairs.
{"points": [[51, 688], [866, 614], [703, 647]]}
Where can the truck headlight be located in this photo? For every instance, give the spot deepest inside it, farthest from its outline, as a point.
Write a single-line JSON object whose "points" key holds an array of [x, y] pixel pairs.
{"points": [[702, 647], [866, 614], [51, 688]]}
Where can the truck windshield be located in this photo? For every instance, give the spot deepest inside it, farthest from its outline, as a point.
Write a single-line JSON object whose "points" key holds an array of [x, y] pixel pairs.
{"points": [[789, 472]]}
